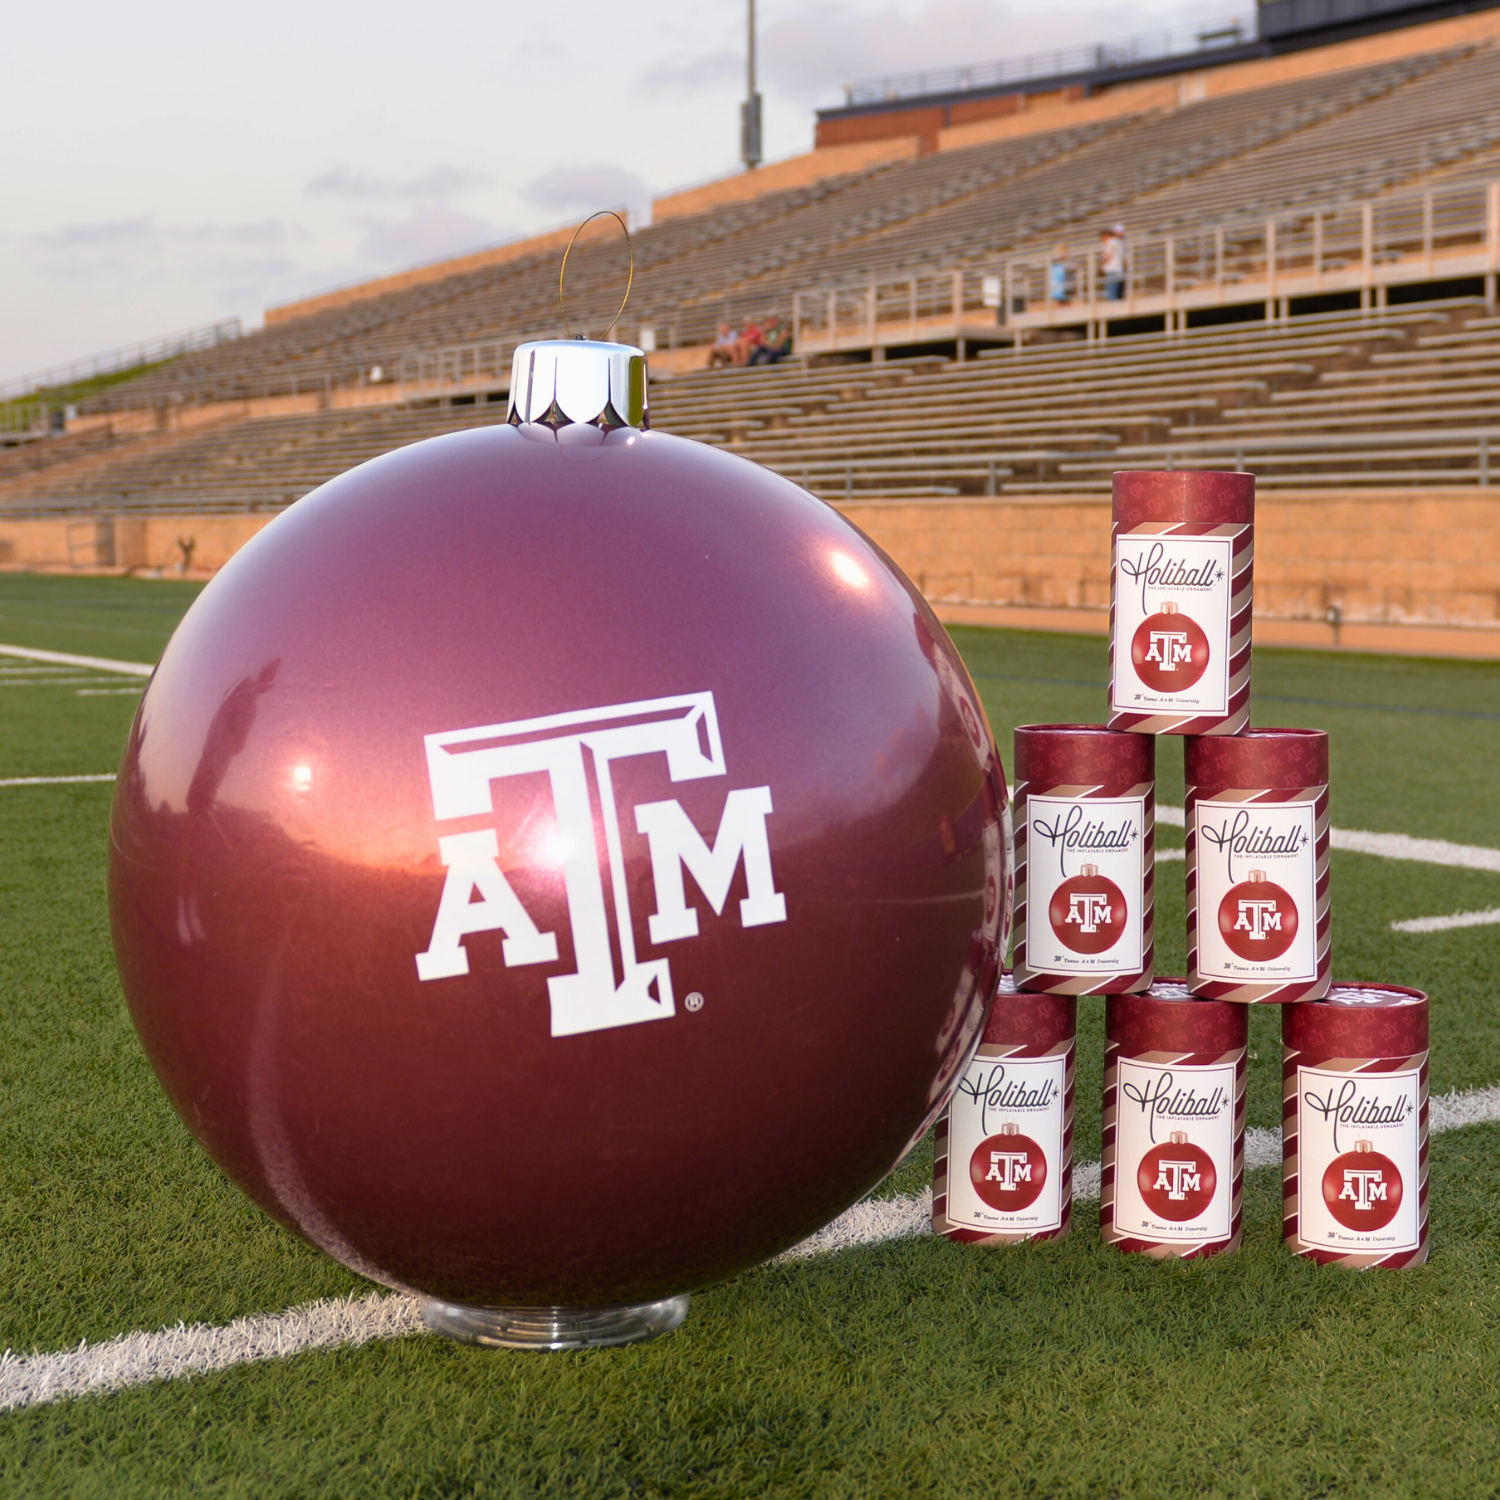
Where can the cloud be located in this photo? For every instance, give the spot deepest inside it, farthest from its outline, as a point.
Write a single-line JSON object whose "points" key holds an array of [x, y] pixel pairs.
{"points": [[143, 235], [693, 75], [597, 185], [442, 181], [340, 182], [111, 234], [428, 233]]}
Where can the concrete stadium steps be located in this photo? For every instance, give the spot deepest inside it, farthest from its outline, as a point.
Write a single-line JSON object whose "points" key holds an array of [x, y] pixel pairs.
{"points": [[261, 464], [1062, 417], [1344, 398], [1374, 125]]}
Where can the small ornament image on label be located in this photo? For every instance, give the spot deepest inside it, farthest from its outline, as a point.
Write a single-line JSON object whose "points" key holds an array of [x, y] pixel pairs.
{"points": [[1177, 1180], [1258, 920], [1362, 1188], [1169, 650], [1256, 865], [1008, 1170], [1357, 1150], [1085, 884], [1171, 624], [1088, 912], [1174, 1150], [1005, 1144]]}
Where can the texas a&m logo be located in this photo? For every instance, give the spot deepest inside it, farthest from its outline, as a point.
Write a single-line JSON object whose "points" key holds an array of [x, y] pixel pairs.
{"points": [[573, 750], [1169, 649], [1088, 912], [1259, 919]]}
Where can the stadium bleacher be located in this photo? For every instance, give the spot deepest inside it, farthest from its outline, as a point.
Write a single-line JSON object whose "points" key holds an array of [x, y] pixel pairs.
{"points": [[1353, 132], [1340, 396], [1344, 398]]}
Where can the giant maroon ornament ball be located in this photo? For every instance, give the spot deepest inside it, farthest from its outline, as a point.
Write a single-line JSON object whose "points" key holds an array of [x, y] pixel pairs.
{"points": [[558, 866]]}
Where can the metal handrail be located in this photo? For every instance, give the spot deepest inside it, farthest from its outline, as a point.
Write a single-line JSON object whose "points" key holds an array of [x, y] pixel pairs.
{"points": [[127, 357], [1452, 229], [1122, 52]]}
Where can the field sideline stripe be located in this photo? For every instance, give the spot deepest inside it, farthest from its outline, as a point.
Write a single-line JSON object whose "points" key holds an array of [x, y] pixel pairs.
{"points": [[1386, 845], [54, 780], [63, 659], [1447, 924], [190, 1349]]}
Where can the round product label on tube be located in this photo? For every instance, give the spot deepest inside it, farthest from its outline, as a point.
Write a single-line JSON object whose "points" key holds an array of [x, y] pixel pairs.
{"points": [[1257, 890], [1358, 1146], [1174, 1151], [1085, 877], [1005, 1145], [1172, 609]]}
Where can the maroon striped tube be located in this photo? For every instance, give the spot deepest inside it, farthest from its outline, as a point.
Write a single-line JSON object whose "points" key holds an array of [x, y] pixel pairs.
{"points": [[1173, 1173], [1179, 601], [1002, 1168], [1257, 865], [1354, 1127], [1085, 839]]}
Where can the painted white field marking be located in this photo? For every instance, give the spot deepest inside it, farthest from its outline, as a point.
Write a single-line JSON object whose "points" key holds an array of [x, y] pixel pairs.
{"points": [[1164, 855], [869, 1223], [1386, 845], [190, 1349], [20, 682], [1447, 924], [63, 659], [109, 692], [54, 780], [139, 1358]]}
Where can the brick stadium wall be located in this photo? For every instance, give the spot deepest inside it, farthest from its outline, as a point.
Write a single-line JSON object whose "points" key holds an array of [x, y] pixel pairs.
{"points": [[1412, 571], [138, 544]]}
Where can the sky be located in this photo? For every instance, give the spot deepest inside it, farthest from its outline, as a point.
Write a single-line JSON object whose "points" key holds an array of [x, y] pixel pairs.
{"points": [[167, 164]]}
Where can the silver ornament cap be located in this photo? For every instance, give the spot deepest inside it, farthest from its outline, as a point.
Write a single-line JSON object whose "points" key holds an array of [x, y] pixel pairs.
{"points": [[562, 381]]}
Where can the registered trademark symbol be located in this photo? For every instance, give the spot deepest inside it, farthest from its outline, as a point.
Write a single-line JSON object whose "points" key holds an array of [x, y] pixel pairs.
{"points": [[694, 1001]]}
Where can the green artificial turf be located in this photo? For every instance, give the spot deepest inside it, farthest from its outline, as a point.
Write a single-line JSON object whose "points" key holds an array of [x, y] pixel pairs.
{"points": [[911, 1368]]}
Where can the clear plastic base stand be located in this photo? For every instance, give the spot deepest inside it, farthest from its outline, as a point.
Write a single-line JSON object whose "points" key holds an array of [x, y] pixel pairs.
{"points": [[554, 1327]]}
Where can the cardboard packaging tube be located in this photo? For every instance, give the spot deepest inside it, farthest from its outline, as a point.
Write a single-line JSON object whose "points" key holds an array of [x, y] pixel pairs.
{"points": [[1257, 866], [1179, 601], [1174, 1123], [1085, 847], [1003, 1161], [1354, 1127]]}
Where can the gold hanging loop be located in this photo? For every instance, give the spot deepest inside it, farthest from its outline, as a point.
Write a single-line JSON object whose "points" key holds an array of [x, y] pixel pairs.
{"points": [[604, 213]]}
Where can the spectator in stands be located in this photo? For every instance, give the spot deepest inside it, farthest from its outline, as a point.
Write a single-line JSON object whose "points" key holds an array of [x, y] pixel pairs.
{"points": [[1060, 275], [750, 339], [776, 342], [1113, 261], [722, 352]]}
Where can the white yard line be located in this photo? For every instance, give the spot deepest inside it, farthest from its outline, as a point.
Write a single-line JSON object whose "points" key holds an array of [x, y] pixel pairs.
{"points": [[190, 1349], [1387, 845], [134, 692], [140, 1358], [1447, 924], [55, 780], [63, 659]]}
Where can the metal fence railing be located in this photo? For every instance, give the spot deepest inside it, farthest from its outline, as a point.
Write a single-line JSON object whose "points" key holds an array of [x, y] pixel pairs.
{"points": [[1123, 52], [1445, 232], [128, 357]]}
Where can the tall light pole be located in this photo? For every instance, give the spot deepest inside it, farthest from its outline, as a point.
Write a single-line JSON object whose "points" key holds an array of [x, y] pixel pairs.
{"points": [[750, 109]]}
